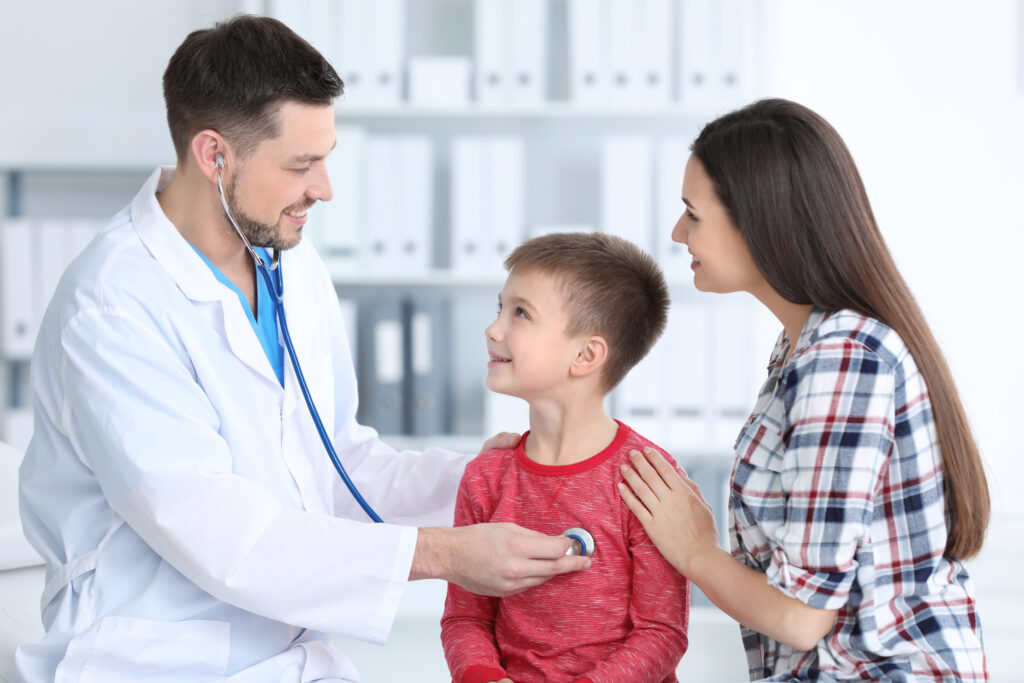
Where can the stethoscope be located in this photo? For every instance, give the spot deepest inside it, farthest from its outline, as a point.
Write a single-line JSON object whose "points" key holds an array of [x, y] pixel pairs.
{"points": [[275, 285], [582, 541]]}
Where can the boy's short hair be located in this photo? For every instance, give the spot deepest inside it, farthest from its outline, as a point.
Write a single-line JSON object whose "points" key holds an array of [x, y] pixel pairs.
{"points": [[233, 78], [613, 288]]}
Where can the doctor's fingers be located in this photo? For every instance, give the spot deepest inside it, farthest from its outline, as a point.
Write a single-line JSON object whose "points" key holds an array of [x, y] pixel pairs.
{"points": [[536, 572]]}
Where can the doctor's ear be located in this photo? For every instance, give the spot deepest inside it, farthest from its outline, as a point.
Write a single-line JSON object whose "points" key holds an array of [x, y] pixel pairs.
{"points": [[591, 357], [210, 153]]}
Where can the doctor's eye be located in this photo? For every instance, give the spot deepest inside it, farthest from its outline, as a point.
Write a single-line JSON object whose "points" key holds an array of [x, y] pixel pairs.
{"points": [[690, 215], [304, 169]]}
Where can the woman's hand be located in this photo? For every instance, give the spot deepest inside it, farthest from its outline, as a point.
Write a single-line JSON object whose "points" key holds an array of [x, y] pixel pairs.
{"points": [[671, 508]]}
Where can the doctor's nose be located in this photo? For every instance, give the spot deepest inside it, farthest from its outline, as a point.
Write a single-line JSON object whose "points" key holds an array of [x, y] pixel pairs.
{"points": [[321, 188]]}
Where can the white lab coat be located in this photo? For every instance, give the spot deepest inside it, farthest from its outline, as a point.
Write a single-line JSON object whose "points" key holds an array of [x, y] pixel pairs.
{"points": [[184, 495]]}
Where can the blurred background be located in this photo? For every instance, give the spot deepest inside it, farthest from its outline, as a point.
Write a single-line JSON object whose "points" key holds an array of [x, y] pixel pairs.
{"points": [[470, 125]]}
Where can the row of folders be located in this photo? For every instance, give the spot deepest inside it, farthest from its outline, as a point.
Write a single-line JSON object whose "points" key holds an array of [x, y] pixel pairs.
{"points": [[621, 53], [33, 256], [386, 222], [692, 393]]}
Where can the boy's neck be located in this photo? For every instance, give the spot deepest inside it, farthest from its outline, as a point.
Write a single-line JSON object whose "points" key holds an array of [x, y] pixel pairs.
{"points": [[564, 435]]}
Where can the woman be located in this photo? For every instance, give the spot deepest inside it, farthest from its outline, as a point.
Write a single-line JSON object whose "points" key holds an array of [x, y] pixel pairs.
{"points": [[857, 488]]}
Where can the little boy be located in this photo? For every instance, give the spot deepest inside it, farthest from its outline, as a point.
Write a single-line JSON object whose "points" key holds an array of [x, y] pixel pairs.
{"points": [[578, 310]]}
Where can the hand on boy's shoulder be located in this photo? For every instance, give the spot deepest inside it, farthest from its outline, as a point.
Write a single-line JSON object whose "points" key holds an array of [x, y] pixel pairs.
{"points": [[502, 440]]}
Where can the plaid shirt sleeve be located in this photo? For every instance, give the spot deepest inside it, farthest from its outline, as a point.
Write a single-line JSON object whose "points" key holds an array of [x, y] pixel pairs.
{"points": [[838, 432]]}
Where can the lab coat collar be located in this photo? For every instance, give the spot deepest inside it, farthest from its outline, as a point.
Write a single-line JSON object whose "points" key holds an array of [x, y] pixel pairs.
{"points": [[172, 251], [192, 276]]}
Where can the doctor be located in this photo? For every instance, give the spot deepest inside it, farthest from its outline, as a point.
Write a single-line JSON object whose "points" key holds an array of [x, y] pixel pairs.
{"points": [[193, 528]]}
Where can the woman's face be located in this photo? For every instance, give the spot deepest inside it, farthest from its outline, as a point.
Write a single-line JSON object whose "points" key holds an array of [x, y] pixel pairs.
{"points": [[721, 259]]}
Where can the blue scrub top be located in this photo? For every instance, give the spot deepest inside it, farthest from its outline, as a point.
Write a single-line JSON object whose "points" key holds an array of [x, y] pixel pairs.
{"points": [[265, 325]]}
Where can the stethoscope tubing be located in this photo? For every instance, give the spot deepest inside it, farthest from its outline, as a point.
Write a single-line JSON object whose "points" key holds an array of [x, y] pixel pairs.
{"points": [[277, 292], [275, 284]]}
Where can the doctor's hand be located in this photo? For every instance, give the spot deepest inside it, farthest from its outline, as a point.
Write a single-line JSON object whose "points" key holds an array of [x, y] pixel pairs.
{"points": [[671, 508], [492, 559], [502, 440]]}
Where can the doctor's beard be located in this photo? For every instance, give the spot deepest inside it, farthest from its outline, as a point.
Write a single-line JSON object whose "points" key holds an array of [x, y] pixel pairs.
{"points": [[260, 234]]}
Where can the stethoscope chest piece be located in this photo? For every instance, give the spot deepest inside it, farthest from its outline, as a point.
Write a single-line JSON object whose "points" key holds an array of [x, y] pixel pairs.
{"points": [[582, 542]]}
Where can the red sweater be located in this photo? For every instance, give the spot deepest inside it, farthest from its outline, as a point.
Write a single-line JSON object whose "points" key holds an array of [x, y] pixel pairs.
{"points": [[624, 619]]}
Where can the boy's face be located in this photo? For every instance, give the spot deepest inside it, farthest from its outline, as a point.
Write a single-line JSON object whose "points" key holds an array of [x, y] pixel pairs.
{"points": [[530, 352]]}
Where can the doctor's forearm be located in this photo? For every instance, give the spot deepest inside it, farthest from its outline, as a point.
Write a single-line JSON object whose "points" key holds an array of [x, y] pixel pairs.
{"points": [[434, 548]]}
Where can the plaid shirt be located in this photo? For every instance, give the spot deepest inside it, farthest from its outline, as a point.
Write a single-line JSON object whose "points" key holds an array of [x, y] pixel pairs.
{"points": [[836, 495]]}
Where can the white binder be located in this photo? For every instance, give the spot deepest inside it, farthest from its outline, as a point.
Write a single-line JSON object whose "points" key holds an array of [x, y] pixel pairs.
{"points": [[412, 197], [321, 19], [626, 188], [352, 52], [697, 51], [654, 39], [338, 224], [503, 199], [385, 30], [674, 258], [624, 45], [467, 205], [17, 311], [689, 369], [527, 51], [641, 397], [735, 376], [380, 252], [739, 46], [490, 49], [50, 258], [588, 51]]}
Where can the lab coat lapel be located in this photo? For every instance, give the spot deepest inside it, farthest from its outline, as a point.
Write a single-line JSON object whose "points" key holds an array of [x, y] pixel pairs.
{"points": [[192, 276]]}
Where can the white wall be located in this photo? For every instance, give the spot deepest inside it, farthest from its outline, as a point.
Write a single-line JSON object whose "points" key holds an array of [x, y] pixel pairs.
{"points": [[928, 96]]}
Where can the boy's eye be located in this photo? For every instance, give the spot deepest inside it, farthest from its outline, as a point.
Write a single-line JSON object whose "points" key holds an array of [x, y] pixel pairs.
{"points": [[521, 312], [301, 170]]}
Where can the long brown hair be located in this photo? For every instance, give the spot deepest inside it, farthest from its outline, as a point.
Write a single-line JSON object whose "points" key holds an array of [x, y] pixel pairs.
{"points": [[791, 187]]}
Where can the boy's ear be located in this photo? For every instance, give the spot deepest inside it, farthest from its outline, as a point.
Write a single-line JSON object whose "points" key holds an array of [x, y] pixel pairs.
{"points": [[590, 358]]}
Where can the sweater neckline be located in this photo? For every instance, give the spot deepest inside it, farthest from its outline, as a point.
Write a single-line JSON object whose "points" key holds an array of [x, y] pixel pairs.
{"points": [[582, 466]]}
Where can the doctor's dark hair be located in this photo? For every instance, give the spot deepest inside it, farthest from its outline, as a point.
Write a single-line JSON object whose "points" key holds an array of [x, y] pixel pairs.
{"points": [[612, 288], [232, 78], [791, 187]]}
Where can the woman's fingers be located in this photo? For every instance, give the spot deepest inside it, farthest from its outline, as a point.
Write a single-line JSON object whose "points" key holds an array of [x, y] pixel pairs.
{"points": [[634, 504], [669, 475], [639, 486]]}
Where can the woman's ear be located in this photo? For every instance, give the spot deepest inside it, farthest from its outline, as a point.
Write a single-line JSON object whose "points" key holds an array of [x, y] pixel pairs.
{"points": [[590, 357]]}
